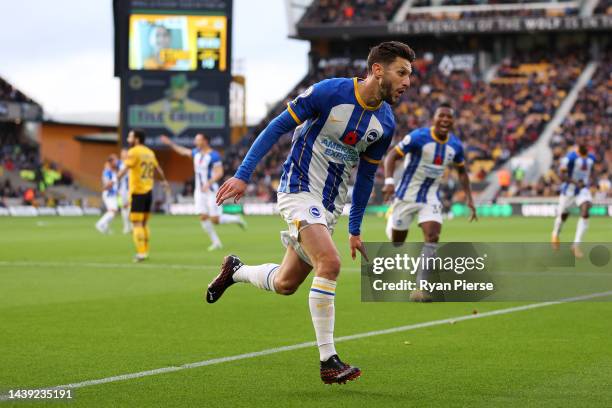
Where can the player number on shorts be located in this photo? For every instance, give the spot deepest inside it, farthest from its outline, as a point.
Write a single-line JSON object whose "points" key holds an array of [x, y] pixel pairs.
{"points": [[147, 170]]}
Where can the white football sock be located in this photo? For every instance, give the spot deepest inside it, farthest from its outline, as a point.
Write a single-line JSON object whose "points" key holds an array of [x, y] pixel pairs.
{"points": [[260, 276], [229, 219], [583, 225], [322, 311], [558, 226], [389, 229], [105, 220], [428, 251], [210, 230]]}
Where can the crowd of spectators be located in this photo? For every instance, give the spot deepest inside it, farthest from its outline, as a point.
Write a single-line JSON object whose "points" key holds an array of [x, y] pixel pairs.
{"points": [[603, 7], [349, 12], [494, 120], [590, 120]]}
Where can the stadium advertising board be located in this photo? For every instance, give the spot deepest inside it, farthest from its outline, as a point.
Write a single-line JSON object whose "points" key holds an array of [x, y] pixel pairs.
{"points": [[474, 25], [502, 24], [178, 104]]}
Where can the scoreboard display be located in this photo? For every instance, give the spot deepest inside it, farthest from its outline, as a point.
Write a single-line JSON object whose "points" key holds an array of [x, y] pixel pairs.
{"points": [[174, 61], [178, 43]]}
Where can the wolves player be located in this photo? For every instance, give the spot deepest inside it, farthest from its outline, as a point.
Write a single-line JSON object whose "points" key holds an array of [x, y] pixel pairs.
{"points": [[426, 153], [575, 171], [109, 193], [208, 170], [343, 123], [141, 164], [124, 194]]}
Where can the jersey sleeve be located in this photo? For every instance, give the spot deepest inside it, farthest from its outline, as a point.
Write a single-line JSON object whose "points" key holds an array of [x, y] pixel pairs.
{"points": [[107, 176], [459, 158], [309, 103], [567, 162], [131, 159], [194, 151], [408, 144], [215, 158], [375, 152]]}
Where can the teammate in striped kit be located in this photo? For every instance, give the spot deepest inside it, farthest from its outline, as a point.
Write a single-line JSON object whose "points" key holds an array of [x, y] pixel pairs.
{"points": [[208, 170], [426, 152], [109, 194], [575, 171], [124, 194], [341, 124]]}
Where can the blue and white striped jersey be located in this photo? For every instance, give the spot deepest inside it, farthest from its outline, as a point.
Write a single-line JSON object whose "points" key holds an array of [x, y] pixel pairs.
{"points": [[108, 175], [124, 185], [203, 164], [426, 157], [336, 129], [578, 170]]}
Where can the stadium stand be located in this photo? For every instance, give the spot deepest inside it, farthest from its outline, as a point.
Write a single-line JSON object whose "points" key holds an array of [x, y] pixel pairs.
{"points": [[603, 7], [349, 12], [10, 93], [590, 119]]}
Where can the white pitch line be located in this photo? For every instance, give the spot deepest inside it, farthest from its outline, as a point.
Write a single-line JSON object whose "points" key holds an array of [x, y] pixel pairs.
{"points": [[298, 346]]}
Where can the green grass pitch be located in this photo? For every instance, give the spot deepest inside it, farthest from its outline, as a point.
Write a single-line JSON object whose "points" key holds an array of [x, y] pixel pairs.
{"points": [[74, 308]]}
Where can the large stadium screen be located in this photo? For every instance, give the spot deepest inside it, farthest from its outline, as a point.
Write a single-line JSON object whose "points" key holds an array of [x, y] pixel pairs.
{"points": [[178, 43]]}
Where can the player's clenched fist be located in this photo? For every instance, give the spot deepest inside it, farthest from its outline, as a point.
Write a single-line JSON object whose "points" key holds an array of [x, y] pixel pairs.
{"points": [[232, 188]]}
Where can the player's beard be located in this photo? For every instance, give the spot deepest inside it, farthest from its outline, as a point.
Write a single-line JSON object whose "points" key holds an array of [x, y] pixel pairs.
{"points": [[386, 91]]}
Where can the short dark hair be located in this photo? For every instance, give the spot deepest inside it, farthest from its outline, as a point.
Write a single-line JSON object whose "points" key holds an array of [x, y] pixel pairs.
{"points": [[140, 135], [387, 52], [445, 104]]}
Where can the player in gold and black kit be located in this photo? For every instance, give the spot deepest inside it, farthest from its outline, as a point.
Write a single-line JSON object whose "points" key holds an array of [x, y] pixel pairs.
{"points": [[141, 164]]}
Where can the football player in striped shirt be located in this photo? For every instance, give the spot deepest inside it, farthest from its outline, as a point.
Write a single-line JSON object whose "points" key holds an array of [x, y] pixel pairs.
{"points": [[342, 123], [208, 171], [109, 194], [575, 171], [426, 153]]}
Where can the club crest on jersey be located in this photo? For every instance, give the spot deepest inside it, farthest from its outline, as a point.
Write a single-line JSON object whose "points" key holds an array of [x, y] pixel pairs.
{"points": [[315, 212], [304, 94], [351, 138], [372, 136]]}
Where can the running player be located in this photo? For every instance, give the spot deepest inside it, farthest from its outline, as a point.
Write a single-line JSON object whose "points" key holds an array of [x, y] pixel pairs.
{"points": [[342, 123], [575, 171], [124, 195], [109, 193], [426, 153], [208, 170], [141, 164]]}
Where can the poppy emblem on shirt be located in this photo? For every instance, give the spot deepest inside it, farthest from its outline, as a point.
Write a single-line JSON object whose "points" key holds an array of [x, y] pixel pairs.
{"points": [[350, 138], [438, 160]]}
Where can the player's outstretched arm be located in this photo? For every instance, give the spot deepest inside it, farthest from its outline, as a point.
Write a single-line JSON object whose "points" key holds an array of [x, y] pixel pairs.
{"points": [[361, 195], [236, 186], [182, 150], [464, 179], [162, 175]]}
